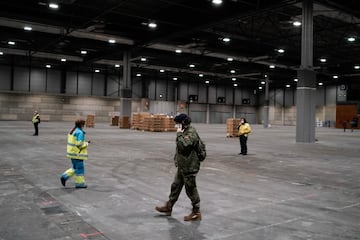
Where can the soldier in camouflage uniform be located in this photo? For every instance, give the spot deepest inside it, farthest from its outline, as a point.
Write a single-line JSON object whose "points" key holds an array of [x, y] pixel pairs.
{"points": [[188, 165]]}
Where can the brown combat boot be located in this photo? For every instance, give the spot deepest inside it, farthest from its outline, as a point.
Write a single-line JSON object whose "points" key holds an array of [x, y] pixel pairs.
{"points": [[167, 209], [194, 216]]}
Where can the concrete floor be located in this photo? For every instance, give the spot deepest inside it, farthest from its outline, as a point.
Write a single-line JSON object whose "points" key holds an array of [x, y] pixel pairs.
{"points": [[281, 190]]}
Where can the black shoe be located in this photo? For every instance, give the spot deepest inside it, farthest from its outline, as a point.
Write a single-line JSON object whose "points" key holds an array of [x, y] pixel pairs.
{"points": [[35, 134], [63, 181], [81, 186]]}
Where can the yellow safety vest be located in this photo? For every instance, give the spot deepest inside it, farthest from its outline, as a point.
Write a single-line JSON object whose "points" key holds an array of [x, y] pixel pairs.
{"points": [[76, 149], [35, 118]]}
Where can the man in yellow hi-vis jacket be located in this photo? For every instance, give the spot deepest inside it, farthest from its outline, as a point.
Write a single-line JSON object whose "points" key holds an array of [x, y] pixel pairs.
{"points": [[244, 131], [77, 152]]}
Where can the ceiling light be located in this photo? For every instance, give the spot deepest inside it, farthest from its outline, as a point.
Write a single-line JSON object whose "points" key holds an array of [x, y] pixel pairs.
{"points": [[112, 41], [201, 75], [162, 70], [175, 78], [232, 71], [235, 84], [260, 88], [335, 76], [152, 25], [192, 65], [217, 2], [97, 70], [138, 74], [63, 60], [230, 59], [117, 65], [143, 59], [262, 82], [53, 6], [280, 50], [234, 79], [207, 81], [295, 79], [351, 39], [11, 43], [27, 28], [178, 51], [287, 85], [297, 23], [226, 39], [323, 60], [48, 66], [83, 52], [320, 83], [1, 53], [272, 66], [357, 67]]}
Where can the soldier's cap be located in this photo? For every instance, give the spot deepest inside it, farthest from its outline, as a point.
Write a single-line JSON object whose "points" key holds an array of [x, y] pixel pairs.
{"points": [[181, 118]]}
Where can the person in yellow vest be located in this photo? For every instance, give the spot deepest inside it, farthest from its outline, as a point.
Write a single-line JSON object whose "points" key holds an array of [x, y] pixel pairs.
{"points": [[77, 152], [36, 120], [244, 131]]}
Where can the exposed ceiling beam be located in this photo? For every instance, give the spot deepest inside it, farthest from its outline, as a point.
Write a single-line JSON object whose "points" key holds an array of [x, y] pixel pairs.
{"points": [[80, 33]]}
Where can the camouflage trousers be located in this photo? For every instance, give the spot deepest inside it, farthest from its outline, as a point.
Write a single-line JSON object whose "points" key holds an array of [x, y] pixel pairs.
{"points": [[190, 187]]}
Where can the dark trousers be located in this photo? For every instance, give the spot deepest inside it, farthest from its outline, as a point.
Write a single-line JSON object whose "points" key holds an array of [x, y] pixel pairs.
{"points": [[36, 126], [243, 144], [190, 187]]}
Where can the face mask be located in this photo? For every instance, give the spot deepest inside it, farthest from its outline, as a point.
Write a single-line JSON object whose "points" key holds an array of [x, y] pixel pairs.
{"points": [[178, 125]]}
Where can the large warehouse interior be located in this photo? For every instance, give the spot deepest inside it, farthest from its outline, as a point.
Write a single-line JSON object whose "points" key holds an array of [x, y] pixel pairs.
{"points": [[290, 67]]}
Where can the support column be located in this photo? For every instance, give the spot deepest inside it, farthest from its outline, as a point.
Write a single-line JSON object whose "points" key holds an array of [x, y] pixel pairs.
{"points": [[207, 106], [125, 91], [306, 86], [266, 103]]}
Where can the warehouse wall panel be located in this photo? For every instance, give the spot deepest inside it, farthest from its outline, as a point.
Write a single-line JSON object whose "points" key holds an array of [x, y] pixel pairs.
{"points": [[98, 85], [38, 80], [53, 81], [5, 77], [113, 86], [84, 83], [71, 83], [183, 91], [21, 79], [202, 97]]}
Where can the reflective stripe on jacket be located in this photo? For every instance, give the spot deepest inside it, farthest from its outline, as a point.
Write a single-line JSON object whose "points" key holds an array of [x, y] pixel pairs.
{"points": [[76, 145], [244, 129]]}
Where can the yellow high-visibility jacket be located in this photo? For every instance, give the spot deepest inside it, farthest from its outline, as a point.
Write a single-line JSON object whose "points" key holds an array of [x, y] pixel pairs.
{"points": [[244, 129], [36, 118], [76, 145]]}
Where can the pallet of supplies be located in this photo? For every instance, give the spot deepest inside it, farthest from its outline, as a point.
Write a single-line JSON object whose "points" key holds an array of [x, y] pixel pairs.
{"points": [[90, 121], [232, 127], [114, 121], [124, 122]]}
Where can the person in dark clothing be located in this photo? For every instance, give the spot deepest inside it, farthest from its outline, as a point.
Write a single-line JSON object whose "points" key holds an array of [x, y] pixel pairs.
{"points": [[344, 125], [188, 165], [36, 120]]}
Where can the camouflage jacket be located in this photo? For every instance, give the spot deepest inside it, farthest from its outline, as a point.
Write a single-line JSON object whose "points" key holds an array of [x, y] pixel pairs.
{"points": [[186, 158]]}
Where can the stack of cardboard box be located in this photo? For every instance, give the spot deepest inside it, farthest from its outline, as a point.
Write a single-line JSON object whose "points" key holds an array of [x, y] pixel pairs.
{"points": [[124, 122], [90, 121], [232, 127]]}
